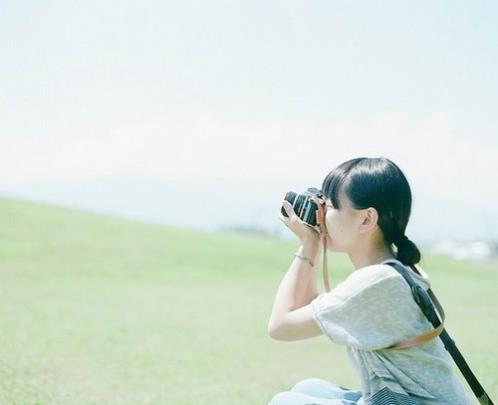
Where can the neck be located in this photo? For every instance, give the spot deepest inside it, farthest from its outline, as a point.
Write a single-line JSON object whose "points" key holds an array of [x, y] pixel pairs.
{"points": [[369, 255]]}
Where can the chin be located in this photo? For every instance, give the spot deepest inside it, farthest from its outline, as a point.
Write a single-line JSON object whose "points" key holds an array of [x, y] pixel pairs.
{"points": [[333, 247]]}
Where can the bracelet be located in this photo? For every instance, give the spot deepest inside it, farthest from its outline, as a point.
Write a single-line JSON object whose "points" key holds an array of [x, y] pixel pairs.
{"points": [[305, 258]]}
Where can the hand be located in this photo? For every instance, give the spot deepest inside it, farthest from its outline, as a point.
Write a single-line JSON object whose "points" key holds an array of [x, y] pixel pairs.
{"points": [[305, 233]]}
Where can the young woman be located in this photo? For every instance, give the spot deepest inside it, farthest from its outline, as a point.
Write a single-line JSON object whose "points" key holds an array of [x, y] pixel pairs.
{"points": [[367, 207]]}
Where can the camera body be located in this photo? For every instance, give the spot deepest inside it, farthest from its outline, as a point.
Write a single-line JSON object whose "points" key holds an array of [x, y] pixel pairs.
{"points": [[304, 208]]}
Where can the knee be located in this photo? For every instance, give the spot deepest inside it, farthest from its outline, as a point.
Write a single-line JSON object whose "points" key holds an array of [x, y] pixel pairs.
{"points": [[282, 398], [308, 385], [318, 387]]}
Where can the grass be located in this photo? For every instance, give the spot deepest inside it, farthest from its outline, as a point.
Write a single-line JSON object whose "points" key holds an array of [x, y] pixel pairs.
{"points": [[99, 310]]}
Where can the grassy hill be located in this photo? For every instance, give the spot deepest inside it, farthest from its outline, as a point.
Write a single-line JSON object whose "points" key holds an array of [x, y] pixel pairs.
{"points": [[99, 310]]}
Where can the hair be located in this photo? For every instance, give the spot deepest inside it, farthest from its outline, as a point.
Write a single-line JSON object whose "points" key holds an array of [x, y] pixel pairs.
{"points": [[377, 183]]}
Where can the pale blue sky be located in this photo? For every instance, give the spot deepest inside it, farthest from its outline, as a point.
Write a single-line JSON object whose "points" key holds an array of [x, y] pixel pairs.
{"points": [[275, 92]]}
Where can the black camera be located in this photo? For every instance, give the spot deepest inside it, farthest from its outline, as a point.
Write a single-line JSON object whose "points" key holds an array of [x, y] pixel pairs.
{"points": [[303, 206]]}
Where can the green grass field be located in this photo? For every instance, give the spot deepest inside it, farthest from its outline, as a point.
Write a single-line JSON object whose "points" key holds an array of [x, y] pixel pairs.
{"points": [[101, 310]]}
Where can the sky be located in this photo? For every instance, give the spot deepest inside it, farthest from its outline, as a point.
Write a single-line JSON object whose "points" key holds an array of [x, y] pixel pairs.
{"points": [[204, 114]]}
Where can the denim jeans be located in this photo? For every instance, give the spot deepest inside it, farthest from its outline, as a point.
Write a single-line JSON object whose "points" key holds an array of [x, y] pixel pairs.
{"points": [[316, 391]]}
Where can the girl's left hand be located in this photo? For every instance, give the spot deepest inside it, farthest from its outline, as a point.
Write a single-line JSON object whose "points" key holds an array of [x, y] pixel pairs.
{"points": [[304, 232]]}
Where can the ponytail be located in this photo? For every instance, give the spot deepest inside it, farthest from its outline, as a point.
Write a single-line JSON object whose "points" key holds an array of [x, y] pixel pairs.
{"points": [[407, 252]]}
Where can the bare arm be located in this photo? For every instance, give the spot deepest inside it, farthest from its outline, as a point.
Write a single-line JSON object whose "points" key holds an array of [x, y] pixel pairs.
{"points": [[298, 286], [312, 290]]}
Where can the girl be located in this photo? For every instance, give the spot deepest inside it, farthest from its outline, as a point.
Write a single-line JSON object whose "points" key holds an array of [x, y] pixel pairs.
{"points": [[367, 206]]}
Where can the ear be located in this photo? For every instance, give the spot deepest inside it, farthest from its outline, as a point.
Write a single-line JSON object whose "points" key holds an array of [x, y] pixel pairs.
{"points": [[369, 218]]}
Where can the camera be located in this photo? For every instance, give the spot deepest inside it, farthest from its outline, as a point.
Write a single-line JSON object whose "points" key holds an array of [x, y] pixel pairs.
{"points": [[303, 206]]}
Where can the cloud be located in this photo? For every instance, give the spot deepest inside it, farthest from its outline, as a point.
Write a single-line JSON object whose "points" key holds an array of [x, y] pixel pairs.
{"points": [[427, 149]]}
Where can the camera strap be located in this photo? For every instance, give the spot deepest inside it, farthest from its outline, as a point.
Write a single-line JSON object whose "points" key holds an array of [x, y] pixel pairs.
{"points": [[421, 297], [325, 267], [426, 301], [320, 220]]}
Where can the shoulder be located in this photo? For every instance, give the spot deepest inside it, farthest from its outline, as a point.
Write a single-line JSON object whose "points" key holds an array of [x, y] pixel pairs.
{"points": [[365, 281], [419, 275], [374, 289], [371, 285], [373, 274]]}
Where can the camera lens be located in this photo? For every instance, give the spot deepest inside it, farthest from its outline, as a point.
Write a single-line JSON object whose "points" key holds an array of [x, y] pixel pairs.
{"points": [[291, 197], [302, 204]]}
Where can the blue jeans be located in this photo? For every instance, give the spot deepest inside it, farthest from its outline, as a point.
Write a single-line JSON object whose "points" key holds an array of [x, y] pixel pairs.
{"points": [[316, 391]]}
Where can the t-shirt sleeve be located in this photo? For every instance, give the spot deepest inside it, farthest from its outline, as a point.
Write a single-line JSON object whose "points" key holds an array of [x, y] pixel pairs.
{"points": [[368, 313]]}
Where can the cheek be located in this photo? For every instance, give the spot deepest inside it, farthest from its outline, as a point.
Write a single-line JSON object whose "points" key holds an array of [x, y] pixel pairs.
{"points": [[330, 222], [332, 231], [335, 224]]}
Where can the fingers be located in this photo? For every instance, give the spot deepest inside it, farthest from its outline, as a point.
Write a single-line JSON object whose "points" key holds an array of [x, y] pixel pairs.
{"points": [[316, 200], [296, 224], [288, 209], [284, 220], [291, 215]]}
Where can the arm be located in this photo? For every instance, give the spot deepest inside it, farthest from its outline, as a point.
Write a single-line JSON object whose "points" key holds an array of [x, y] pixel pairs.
{"points": [[298, 287], [292, 316], [312, 291]]}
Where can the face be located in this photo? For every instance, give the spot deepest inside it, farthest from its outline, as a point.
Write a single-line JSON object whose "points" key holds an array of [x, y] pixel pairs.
{"points": [[344, 225]]}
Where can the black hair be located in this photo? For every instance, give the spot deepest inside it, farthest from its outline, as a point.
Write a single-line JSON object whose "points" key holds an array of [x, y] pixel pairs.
{"points": [[378, 183]]}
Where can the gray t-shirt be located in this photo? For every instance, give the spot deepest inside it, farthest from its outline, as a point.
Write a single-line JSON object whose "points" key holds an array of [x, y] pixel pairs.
{"points": [[372, 309]]}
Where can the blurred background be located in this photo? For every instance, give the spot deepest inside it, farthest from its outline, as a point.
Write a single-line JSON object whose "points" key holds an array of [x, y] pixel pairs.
{"points": [[205, 115], [199, 116]]}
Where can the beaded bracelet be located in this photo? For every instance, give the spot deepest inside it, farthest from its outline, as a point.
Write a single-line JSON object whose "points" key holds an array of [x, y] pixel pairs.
{"points": [[305, 258]]}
